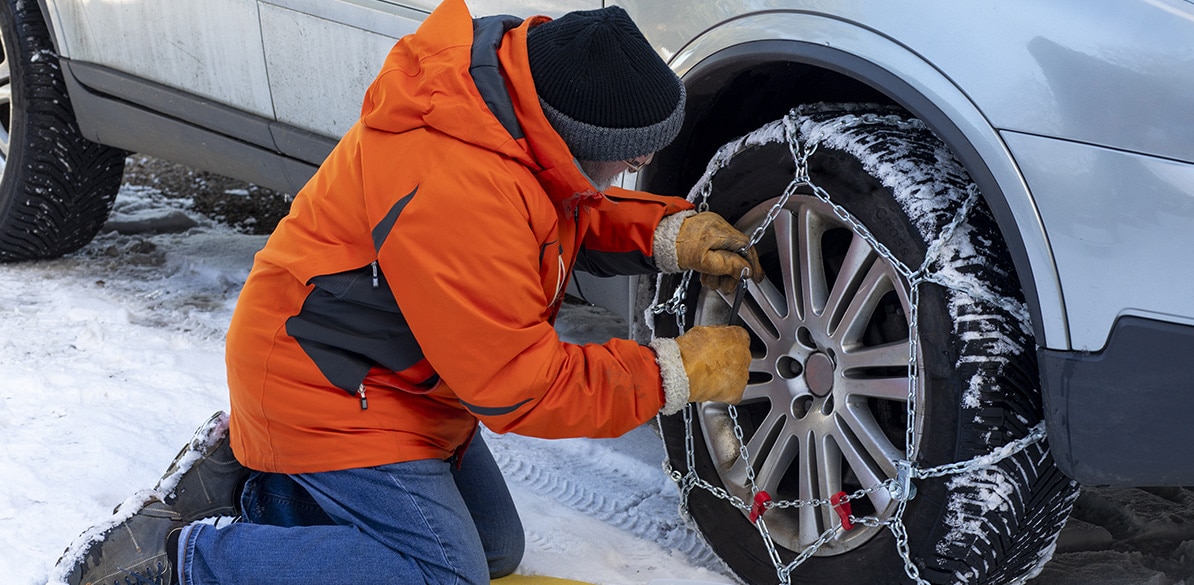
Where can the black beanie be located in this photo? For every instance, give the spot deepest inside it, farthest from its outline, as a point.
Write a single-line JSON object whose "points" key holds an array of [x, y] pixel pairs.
{"points": [[602, 87]]}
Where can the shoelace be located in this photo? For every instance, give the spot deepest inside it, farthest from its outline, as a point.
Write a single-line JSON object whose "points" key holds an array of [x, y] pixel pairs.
{"points": [[159, 575]]}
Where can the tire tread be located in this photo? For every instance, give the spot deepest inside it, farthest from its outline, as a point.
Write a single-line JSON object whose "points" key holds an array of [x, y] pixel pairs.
{"points": [[58, 187]]}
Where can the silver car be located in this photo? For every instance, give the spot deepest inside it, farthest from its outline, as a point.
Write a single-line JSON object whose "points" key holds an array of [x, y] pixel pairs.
{"points": [[972, 216]]}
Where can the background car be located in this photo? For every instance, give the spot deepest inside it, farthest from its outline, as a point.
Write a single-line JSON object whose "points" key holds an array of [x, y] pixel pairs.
{"points": [[987, 235]]}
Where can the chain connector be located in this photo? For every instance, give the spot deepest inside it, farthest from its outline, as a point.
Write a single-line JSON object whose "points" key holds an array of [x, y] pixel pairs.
{"points": [[902, 488], [841, 505], [762, 499]]}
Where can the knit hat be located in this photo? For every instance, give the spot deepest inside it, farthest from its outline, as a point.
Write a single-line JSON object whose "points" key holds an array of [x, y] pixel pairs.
{"points": [[602, 87]]}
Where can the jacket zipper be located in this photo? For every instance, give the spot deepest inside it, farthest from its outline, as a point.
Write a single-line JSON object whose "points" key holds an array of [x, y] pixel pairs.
{"points": [[361, 393], [576, 240]]}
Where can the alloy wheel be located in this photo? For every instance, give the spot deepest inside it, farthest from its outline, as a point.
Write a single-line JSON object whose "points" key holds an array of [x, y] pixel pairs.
{"points": [[825, 410]]}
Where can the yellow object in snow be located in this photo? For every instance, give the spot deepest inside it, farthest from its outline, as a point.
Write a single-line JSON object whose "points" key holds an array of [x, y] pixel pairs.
{"points": [[535, 580]]}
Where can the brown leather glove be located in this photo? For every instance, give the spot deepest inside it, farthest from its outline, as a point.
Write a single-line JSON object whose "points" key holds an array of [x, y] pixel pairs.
{"points": [[708, 244], [716, 360]]}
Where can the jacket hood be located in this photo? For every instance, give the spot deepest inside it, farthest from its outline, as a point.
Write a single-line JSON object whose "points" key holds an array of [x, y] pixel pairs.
{"points": [[426, 82], [470, 79]]}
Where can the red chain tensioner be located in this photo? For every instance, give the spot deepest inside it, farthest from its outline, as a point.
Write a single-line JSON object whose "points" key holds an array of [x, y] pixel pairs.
{"points": [[760, 506], [841, 505]]}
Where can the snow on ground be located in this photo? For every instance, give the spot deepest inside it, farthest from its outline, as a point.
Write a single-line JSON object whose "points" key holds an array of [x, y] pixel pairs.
{"points": [[111, 357]]}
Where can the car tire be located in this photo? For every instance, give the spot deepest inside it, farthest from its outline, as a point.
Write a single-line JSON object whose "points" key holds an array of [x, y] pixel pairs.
{"points": [[57, 188], [823, 411]]}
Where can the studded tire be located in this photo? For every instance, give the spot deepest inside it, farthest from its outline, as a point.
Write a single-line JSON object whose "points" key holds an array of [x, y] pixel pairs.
{"points": [[826, 407], [57, 188]]}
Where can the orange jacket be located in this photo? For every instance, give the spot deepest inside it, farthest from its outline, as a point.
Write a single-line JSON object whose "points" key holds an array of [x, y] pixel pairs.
{"points": [[412, 288]]}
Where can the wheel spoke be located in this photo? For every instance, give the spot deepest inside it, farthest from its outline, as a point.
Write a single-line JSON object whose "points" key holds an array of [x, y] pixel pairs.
{"points": [[813, 288], [886, 356], [756, 447], [773, 390], [764, 316], [855, 266], [809, 516], [777, 461], [888, 388], [829, 458], [867, 450], [864, 299], [789, 263], [880, 498], [871, 463]]}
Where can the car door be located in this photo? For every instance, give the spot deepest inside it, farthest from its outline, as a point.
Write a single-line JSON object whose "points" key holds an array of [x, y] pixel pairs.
{"points": [[210, 49], [322, 55]]}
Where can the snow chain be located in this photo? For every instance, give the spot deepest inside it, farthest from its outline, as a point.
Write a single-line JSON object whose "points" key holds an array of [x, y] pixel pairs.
{"points": [[901, 487]]}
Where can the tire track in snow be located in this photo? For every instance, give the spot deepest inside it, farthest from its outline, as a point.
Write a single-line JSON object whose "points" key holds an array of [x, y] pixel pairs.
{"points": [[594, 478]]}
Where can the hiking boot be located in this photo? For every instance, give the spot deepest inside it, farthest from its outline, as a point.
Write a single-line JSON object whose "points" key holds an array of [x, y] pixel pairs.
{"points": [[132, 551], [205, 479]]}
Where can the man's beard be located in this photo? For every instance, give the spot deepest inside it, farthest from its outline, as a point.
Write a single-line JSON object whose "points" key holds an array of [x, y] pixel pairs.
{"points": [[601, 173]]}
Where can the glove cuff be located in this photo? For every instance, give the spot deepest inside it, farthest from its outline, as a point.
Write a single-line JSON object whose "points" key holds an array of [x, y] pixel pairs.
{"points": [[664, 247], [671, 369]]}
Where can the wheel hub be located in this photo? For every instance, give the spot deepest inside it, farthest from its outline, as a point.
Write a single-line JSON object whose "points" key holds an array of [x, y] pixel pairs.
{"points": [[818, 374]]}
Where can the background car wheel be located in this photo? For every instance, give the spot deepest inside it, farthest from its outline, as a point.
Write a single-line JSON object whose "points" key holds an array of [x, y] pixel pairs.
{"points": [[826, 407], [57, 188]]}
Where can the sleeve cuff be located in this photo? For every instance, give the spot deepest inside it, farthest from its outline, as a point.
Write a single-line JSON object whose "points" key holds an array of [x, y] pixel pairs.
{"points": [[664, 246], [671, 369]]}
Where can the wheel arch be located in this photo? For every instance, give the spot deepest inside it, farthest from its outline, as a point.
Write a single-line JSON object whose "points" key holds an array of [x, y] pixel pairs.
{"points": [[743, 81]]}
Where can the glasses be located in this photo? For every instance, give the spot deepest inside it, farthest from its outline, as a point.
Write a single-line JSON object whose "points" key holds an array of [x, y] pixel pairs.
{"points": [[636, 164]]}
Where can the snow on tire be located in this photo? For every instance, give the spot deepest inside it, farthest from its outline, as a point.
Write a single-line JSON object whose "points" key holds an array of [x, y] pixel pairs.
{"points": [[826, 408], [56, 188]]}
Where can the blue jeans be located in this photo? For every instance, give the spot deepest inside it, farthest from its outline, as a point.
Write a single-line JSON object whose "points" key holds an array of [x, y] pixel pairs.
{"points": [[416, 522]]}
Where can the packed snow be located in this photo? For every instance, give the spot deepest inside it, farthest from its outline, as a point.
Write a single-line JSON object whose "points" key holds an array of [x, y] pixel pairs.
{"points": [[111, 357]]}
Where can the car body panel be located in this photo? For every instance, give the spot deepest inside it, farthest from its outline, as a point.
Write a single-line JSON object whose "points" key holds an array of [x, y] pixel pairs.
{"points": [[299, 34], [303, 80], [1117, 222], [522, 8], [1075, 76], [210, 49]]}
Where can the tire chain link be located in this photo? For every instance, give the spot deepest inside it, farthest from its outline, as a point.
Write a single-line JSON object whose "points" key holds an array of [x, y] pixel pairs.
{"points": [[901, 488]]}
